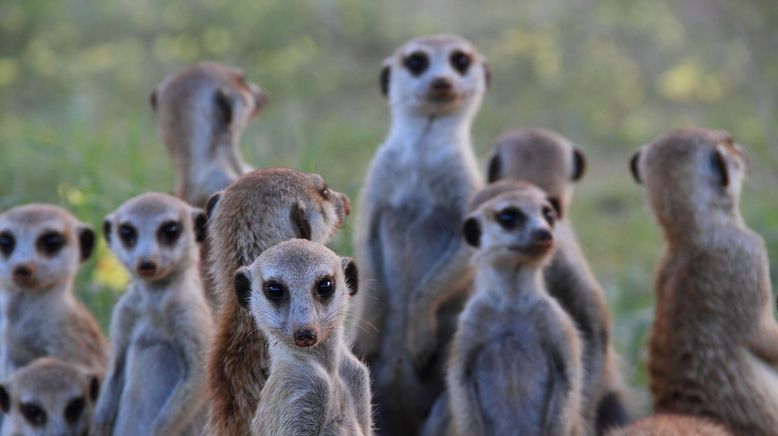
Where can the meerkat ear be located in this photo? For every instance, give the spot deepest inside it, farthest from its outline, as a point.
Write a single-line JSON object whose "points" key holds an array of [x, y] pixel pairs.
{"points": [[107, 229], [153, 99], [720, 166], [86, 241], [199, 224], [300, 221], [487, 75], [557, 205], [472, 231], [242, 284], [224, 106], [634, 167], [384, 79], [210, 205], [579, 164], [5, 399], [94, 387], [352, 274], [495, 167]]}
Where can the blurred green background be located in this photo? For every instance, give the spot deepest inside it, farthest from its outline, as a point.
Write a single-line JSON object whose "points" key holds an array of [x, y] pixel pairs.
{"points": [[76, 128]]}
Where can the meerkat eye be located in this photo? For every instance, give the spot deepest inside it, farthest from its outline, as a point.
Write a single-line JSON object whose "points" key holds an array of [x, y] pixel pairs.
{"points": [[325, 192], [549, 215], [274, 291], [34, 414], [50, 243], [74, 409], [7, 243], [169, 232], [325, 288], [460, 61], [417, 62], [128, 235], [510, 218]]}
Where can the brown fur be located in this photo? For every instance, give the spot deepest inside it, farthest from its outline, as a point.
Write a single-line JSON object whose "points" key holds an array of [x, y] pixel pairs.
{"points": [[714, 342], [251, 215], [672, 425]]}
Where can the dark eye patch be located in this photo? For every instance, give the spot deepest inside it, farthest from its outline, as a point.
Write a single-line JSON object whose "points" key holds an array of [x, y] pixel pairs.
{"points": [[74, 409], [325, 192], [128, 234], [417, 62], [461, 61], [34, 414], [50, 243], [274, 291], [169, 232], [325, 288], [549, 215], [510, 218], [7, 243]]}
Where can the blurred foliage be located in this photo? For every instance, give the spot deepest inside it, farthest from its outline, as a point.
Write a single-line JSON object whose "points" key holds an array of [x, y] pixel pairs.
{"points": [[76, 129]]}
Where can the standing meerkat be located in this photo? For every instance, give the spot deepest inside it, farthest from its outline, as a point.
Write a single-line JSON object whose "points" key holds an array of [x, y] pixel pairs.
{"points": [[549, 161], [161, 326], [261, 209], [672, 425], [408, 241], [298, 294], [201, 114], [41, 248], [515, 364], [48, 397], [713, 348]]}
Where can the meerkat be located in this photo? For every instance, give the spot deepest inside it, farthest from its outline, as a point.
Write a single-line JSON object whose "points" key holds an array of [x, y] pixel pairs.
{"points": [[407, 238], [48, 397], [41, 248], [201, 114], [672, 425], [515, 364], [298, 294], [549, 161], [160, 328], [260, 209], [713, 347]]}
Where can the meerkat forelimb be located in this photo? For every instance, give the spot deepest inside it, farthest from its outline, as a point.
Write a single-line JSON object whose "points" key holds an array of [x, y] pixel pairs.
{"points": [[41, 248], [259, 210], [48, 397], [161, 326], [298, 294], [550, 161], [713, 347]]}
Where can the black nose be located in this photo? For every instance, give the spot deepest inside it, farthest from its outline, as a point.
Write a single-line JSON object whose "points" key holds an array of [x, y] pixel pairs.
{"points": [[441, 84], [542, 236], [305, 338], [22, 272], [147, 267]]}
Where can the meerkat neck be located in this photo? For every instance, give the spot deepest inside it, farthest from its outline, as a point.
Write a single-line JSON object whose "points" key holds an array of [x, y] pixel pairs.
{"points": [[20, 302], [698, 229], [326, 354], [182, 278], [510, 280], [432, 133]]}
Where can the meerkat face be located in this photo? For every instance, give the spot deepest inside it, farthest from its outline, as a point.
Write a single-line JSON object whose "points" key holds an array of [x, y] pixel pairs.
{"points": [[155, 234], [298, 291], [511, 223], [435, 75], [541, 157], [690, 170], [40, 246], [48, 397]]}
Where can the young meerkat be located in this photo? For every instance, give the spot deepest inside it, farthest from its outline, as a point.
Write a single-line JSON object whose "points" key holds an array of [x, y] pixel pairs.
{"points": [[41, 248], [515, 363], [713, 348], [549, 161], [201, 114], [261, 209], [48, 397], [407, 241], [298, 294], [672, 425], [161, 327]]}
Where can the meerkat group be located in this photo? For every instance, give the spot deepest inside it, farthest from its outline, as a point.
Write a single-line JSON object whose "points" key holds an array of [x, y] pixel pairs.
{"points": [[469, 308]]}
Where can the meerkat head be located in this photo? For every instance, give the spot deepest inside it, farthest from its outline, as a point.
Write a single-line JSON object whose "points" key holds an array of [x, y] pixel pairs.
{"points": [[41, 246], [298, 291], [511, 223], [218, 94], [691, 172], [48, 397], [155, 234], [541, 157], [435, 75]]}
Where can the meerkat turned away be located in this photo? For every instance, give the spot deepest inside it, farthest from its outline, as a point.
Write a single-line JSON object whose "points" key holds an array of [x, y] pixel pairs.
{"points": [[515, 364], [298, 292], [48, 397], [713, 349], [41, 247], [259, 210], [414, 264], [201, 113], [549, 161], [161, 326], [672, 425]]}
